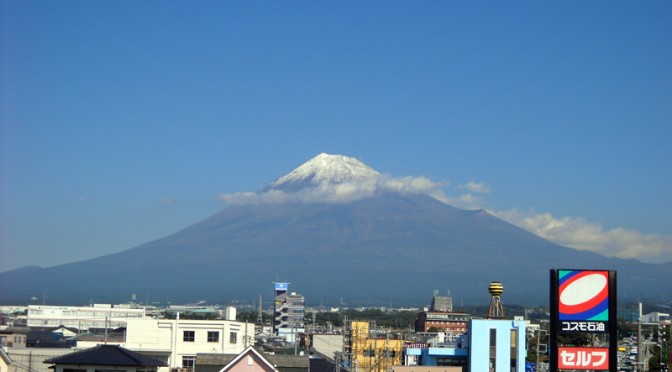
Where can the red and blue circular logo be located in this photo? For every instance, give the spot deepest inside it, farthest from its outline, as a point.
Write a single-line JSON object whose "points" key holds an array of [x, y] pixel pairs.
{"points": [[583, 295]]}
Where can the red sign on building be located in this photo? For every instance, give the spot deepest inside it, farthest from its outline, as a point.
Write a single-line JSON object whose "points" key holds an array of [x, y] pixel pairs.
{"points": [[589, 358]]}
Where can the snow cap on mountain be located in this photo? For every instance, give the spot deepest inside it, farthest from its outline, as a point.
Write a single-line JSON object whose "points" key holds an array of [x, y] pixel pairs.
{"points": [[325, 168], [335, 179]]}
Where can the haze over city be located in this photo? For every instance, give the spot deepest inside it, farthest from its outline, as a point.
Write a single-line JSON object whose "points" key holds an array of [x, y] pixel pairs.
{"points": [[123, 122]]}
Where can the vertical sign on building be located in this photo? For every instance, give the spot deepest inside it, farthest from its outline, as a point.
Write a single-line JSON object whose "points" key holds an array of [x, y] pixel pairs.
{"points": [[583, 302]]}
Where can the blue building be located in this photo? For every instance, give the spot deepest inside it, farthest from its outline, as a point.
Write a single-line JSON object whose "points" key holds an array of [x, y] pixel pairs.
{"points": [[488, 346]]}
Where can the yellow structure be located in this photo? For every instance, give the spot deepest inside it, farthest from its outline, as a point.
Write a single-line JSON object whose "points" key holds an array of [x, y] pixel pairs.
{"points": [[372, 352], [496, 310]]}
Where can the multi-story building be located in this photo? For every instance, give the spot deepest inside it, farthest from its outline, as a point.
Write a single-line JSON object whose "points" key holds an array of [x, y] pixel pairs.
{"points": [[442, 303], [177, 341], [489, 345], [441, 318], [288, 313], [435, 321], [371, 351], [96, 316]]}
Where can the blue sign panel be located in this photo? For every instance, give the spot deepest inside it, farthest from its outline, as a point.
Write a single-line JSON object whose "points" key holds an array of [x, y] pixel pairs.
{"points": [[280, 286]]}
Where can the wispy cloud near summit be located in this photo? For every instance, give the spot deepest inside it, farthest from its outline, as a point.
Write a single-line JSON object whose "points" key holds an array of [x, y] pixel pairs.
{"points": [[572, 232], [343, 192]]}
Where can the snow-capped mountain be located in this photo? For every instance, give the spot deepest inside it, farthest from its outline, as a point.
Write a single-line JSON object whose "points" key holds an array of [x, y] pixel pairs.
{"points": [[382, 247], [323, 168]]}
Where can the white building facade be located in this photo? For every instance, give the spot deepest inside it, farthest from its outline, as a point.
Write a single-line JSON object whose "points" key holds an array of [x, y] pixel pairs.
{"points": [[96, 316], [178, 341]]}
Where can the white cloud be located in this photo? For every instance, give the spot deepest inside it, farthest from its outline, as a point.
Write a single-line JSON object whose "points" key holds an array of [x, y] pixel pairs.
{"points": [[478, 187], [571, 232], [464, 201], [343, 192], [581, 234]]}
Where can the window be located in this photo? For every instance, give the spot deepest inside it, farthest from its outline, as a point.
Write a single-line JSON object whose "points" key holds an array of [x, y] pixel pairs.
{"points": [[213, 336], [514, 349], [188, 362], [451, 361], [233, 338], [389, 353], [493, 349], [369, 353], [188, 336]]}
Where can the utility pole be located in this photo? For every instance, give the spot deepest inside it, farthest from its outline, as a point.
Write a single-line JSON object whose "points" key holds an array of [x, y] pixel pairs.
{"points": [[538, 337], [296, 343], [639, 337], [260, 316]]}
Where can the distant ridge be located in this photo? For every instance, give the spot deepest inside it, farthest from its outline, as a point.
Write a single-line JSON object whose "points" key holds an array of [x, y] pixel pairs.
{"points": [[376, 249]]}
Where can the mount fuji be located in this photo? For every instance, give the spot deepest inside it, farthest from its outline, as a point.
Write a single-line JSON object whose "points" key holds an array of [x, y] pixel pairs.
{"points": [[324, 169], [336, 230]]}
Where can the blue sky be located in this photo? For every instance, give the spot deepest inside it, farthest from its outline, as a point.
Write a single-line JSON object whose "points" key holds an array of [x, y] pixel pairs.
{"points": [[124, 121]]}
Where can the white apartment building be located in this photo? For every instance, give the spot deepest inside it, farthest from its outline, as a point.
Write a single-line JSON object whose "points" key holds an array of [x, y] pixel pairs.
{"points": [[175, 342], [178, 341], [96, 316]]}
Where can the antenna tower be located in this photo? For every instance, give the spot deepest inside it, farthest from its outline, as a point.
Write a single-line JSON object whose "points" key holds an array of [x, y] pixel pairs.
{"points": [[260, 317], [496, 310]]}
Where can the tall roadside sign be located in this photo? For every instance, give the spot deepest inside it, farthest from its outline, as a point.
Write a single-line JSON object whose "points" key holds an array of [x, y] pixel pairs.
{"points": [[583, 303]]}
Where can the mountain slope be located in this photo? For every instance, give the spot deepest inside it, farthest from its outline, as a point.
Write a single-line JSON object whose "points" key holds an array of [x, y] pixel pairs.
{"points": [[385, 247]]}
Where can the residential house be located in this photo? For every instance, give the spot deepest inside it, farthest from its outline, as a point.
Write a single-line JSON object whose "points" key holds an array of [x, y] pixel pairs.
{"points": [[177, 341], [252, 360], [51, 337], [105, 358], [14, 337]]}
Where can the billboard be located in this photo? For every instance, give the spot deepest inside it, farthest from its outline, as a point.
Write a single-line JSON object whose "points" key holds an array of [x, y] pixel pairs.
{"points": [[583, 302], [281, 286]]}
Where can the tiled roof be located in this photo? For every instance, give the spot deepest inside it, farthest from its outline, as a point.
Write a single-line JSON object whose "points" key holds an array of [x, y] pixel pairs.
{"points": [[291, 361], [108, 355], [15, 330], [280, 362]]}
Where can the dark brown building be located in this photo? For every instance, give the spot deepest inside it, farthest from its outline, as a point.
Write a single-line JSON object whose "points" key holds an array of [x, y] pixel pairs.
{"points": [[435, 321]]}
